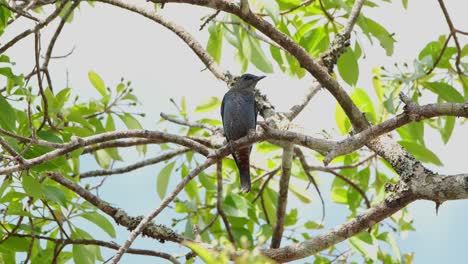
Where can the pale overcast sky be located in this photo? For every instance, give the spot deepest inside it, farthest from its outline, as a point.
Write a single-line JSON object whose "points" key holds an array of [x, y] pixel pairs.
{"points": [[116, 43]]}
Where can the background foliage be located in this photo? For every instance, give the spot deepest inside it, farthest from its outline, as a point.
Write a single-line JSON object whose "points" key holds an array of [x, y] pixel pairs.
{"points": [[34, 205]]}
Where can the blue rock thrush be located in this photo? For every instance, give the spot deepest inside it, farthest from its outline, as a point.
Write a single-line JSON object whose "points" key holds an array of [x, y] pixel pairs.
{"points": [[239, 114]]}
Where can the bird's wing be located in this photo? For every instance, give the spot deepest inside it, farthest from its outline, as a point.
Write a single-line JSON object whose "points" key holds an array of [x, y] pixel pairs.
{"points": [[222, 116], [222, 108], [255, 110]]}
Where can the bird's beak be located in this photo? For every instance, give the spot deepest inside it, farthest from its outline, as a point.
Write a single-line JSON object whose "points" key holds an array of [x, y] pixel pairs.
{"points": [[260, 77]]}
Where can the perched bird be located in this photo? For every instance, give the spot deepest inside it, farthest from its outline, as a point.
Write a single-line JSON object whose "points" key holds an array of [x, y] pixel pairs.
{"points": [[239, 114]]}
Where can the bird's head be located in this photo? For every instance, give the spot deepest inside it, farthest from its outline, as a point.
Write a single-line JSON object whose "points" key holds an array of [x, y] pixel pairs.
{"points": [[247, 81]]}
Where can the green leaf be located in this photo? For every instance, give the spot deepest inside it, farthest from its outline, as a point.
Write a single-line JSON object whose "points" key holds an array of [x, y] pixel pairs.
{"points": [[421, 152], [18, 244], [120, 87], [338, 193], [103, 158], [100, 221], [83, 254], [447, 130], [405, 4], [254, 53], [313, 225], [215, 42], [97, 82], [412, 132], [300, 192], [31, 186], [386, 39], [390, 239], [342, 121], [208, 104], [55, 194], [364, 244], [377, 83], [348, 67], [445, 91], [7, 116], [130, 121], [163, 179], [364, 103], [206, 255], [291, 218], [236, 205]]}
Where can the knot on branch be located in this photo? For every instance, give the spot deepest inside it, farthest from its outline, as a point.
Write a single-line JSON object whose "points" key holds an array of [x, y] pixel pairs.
{"points": [[410, 108], [336, 49]]}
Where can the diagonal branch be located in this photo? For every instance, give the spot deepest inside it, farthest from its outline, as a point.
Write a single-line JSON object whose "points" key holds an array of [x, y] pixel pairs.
{"points": [[164, 203], [295, 110], [159, 232], [369, 218]]}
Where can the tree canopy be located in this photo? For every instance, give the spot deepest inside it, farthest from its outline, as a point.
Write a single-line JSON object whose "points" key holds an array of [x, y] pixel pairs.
{"points": [[381, 163]]}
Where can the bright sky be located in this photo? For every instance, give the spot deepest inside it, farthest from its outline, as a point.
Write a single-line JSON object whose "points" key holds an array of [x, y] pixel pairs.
{"points": [[116, 44]]}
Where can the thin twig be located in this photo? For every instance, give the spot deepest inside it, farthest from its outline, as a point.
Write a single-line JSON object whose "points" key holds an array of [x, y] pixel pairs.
{"points": [[264, 184], [311, 178], [286, 166], [251, 33], [27, 32], [219, 203], [137, 165], [285, 12], [100, 243], [211, 17], [188, 123], [440, 54], [453, 31]]}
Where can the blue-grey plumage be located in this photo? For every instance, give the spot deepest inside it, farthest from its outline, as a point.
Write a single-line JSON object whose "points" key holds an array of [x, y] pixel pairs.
{"points": [[239, 114]]}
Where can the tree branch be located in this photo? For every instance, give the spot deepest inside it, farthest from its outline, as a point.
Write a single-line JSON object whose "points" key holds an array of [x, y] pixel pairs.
{"points": [[137, 165], [102, 244], [219, 202], [352, 227], [27, 32], [283, 195], [159, 232], [141, 226], [412, 113]]}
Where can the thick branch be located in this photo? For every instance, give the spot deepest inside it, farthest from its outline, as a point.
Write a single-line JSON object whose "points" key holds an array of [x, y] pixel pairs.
{"points": [[323, 241], [159, 232]]}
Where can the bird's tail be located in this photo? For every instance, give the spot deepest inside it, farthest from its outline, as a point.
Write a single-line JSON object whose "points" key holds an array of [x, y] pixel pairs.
{"points": [[242, 158], [245, 181]]}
